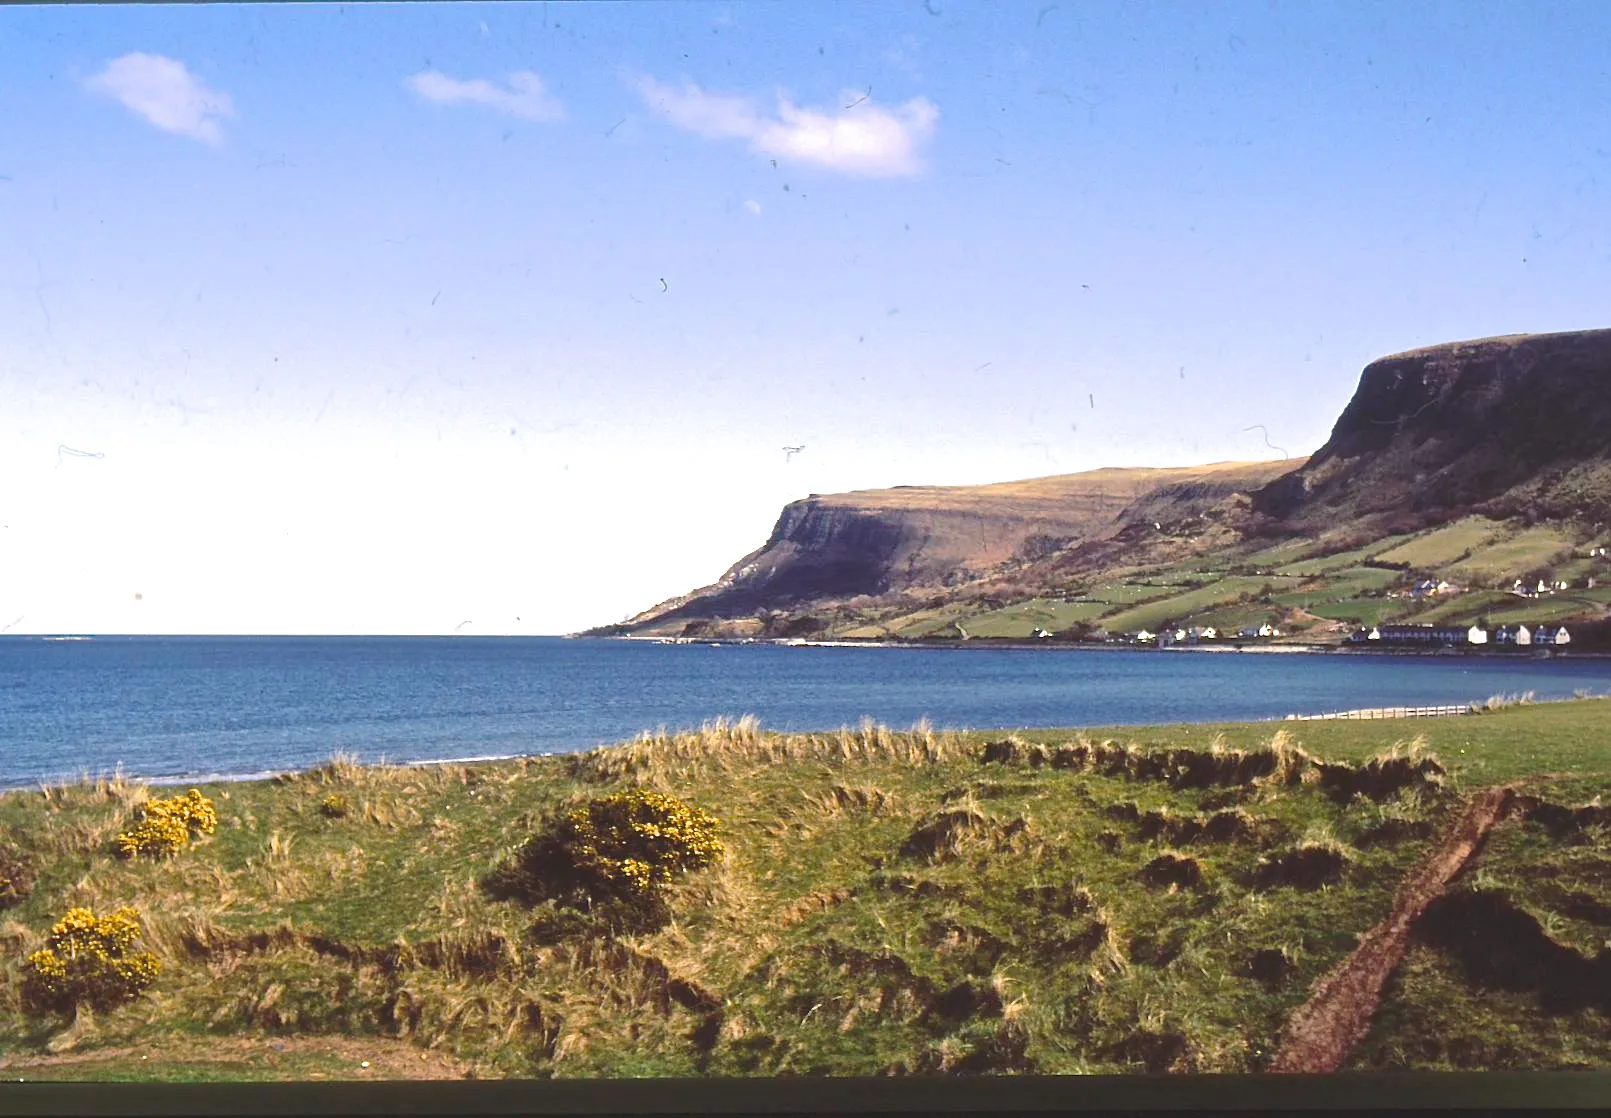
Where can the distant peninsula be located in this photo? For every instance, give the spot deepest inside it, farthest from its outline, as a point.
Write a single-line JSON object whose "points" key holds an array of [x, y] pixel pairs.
{"points": [[1465, 485]]}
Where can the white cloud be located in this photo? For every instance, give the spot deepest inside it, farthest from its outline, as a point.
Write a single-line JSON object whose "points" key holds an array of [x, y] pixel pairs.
{"points": [[525, 96], [856, 136], [705, 114], [166, 94], [753, 206]]}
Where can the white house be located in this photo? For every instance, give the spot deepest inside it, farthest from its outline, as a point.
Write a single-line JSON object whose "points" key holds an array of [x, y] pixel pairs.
{"points": [[1268, 630], [1475, 635], [1375, 634], [1523, 635], [1143, 637], [1547, 635]]}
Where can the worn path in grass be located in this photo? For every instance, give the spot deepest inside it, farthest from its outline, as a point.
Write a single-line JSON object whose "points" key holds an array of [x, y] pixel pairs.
{"points": [[1321, 1032], [233, 1058]]}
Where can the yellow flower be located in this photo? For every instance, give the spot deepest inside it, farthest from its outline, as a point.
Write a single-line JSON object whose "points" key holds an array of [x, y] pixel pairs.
{"points": [[88, 960], [165, 826]]}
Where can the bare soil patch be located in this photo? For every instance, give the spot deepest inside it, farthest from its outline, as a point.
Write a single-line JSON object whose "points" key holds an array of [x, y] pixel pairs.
{"points": [[350, 1058]]}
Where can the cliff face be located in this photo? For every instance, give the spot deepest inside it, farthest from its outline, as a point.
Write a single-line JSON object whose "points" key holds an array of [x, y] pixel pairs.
{"points": [[1507, 426], [1516, 426], [872, 542]]}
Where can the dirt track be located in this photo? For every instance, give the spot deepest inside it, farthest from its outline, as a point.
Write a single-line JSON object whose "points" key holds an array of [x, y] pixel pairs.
{"points": [[1323, 1030]]}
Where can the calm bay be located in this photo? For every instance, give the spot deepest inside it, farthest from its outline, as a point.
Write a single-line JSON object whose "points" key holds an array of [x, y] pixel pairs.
{"points": [[193, 707]]}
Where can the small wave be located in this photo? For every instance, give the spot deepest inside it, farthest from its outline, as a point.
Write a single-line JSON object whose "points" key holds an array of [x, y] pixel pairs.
{"points": [[214, 778], [468, 760]]}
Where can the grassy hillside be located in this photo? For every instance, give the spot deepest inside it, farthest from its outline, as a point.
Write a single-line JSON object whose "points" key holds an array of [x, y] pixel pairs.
{"points": [[1145, 899], [1309, 587]]}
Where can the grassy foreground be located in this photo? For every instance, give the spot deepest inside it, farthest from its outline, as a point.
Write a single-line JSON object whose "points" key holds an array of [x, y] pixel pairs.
{"points": [[1153, 899]]}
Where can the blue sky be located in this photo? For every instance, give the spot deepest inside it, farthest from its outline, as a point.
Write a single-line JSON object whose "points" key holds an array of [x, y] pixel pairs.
{"points": [[396, 318]]}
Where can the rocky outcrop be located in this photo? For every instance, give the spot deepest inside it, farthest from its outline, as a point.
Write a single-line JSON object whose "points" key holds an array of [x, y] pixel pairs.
{"points": [[1516, 425], [876, 542]]}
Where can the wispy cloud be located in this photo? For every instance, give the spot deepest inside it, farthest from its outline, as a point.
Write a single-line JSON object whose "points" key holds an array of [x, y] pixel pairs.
{"points": [[523, 97], [752, 206], [166, 94], [856, 136]]}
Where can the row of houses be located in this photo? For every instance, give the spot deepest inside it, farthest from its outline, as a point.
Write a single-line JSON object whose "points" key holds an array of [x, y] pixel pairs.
{"points": [[1200, 633], [1522, 590], [1508, 635]]}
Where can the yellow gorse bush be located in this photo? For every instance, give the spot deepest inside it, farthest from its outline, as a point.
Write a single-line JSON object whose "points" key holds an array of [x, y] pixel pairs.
{"points": [[89, 960], [334, 806], [641, 839], [166, 826]]}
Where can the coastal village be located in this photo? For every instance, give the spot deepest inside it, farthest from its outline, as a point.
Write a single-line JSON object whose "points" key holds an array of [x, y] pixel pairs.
{"points": [[1424, 635], [1456, 613]]}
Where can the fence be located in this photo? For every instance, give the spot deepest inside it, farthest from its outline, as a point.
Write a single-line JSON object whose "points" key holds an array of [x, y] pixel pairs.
{"points": [[1384, 712]]}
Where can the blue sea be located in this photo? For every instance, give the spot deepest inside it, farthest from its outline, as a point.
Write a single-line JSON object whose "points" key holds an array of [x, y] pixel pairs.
{"points": [[193, 707]]}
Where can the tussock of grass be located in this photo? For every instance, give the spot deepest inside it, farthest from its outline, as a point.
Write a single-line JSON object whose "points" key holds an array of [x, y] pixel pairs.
{"points": [[1406, 767], [1173, 870], [1563, 821], [1309, 865], [722, 744], [1226, 825], [1279, 764]]}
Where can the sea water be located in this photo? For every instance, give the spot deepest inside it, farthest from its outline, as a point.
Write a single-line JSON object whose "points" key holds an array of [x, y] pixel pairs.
{"points": [[176, 707]]}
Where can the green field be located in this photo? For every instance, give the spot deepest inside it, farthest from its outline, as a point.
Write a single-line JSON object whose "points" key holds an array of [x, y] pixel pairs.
{"points": [[1362, 611], [1463, 607], [1125, 593], [1183, 607], [887, 903], [1557, 607], [915, 624], [1231, 620], [1341, 559], [1443, 545], [1512, 558], [1042, 613], [1359, 580], [1276, 556]]}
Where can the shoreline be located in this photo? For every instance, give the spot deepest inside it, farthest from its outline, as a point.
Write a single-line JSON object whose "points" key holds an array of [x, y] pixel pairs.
{"points": [[980, 643], [171, 781], [85, 777]]}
